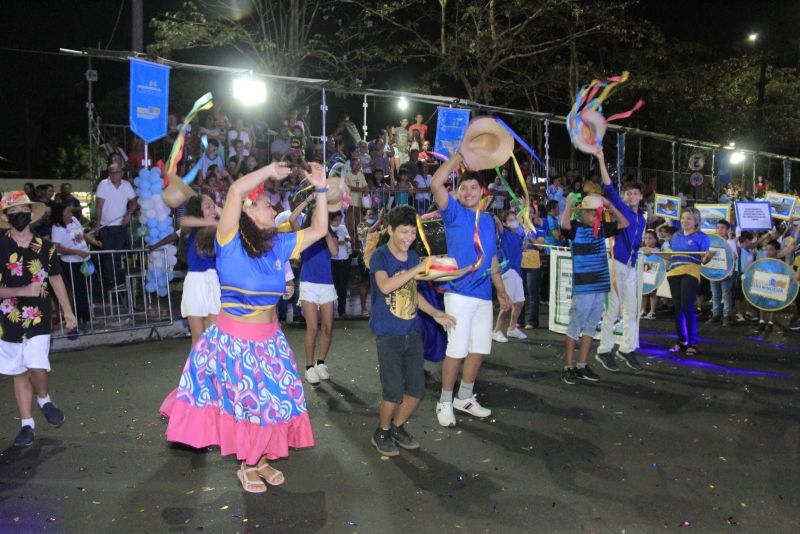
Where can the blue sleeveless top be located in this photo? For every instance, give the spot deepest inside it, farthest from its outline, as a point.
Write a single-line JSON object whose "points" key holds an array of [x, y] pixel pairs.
{"points": [[251, 285], [196, 262]]}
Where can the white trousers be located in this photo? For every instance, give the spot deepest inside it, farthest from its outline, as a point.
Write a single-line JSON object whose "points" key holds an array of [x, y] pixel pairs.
{"points": [[625, 302]]}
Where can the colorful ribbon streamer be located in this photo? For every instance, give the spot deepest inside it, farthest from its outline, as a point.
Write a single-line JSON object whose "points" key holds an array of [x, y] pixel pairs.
{"points": [[203, 103]]}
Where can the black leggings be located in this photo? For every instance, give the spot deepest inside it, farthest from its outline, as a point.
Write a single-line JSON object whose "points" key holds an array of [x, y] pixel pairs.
{"points": [[341, 277], [684, 296]]}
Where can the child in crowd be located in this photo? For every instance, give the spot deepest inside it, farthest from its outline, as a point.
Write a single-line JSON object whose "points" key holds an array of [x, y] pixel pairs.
{"points": [[591, 279], [766, 320], [665, 232], [340, 262], [394, 322], [404, 189], [745, 255], [651, 245], [511, 245], [722, 290]]}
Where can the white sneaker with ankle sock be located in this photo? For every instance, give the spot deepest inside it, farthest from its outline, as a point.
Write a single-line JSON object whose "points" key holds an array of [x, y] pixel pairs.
{"points": [[445, 415], [322, 371], [517, 333], [471, 406], [498, 336]]}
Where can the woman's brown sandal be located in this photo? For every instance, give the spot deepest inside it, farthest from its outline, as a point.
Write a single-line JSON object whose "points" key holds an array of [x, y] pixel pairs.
{"points": [[272, 476], [691, 350], [250, 486]]}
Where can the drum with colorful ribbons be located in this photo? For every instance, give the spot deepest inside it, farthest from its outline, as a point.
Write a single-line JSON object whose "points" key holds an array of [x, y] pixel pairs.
{"points": [[721, 264], [431, 240], [768, 284], [654, 271]]}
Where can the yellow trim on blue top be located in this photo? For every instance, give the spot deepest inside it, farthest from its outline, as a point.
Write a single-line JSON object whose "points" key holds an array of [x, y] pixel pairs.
{"points": [[296, 250], [228, 238], [249, 292], [246, 306]]}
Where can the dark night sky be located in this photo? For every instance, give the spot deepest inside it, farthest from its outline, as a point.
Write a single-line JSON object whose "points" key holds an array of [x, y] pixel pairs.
{"points": [[48, 92]]}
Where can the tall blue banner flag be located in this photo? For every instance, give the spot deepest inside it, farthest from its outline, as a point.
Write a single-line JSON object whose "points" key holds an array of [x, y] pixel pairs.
{"points": [[451, 123], [149, 99]]}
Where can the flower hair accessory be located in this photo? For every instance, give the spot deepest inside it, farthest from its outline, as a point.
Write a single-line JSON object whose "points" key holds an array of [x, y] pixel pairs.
{"points": [[253, 195]]}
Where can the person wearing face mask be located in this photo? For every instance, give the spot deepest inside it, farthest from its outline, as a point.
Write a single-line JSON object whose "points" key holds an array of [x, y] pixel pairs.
{"points": [[29, 269], [511, 249]]}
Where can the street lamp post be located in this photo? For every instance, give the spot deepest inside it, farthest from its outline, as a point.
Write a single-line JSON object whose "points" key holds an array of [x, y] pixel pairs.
{"points": [[762, 80]]}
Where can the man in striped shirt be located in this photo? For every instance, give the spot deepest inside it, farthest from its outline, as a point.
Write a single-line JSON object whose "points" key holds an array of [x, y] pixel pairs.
{"points": [[590, 279]]}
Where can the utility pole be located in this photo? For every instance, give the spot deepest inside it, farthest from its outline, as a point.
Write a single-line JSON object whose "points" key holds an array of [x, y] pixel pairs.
{"points": [[136, 26]]}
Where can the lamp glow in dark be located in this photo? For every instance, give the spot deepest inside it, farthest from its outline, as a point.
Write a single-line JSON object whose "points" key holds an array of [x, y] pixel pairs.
{"points": [[249, 91]]}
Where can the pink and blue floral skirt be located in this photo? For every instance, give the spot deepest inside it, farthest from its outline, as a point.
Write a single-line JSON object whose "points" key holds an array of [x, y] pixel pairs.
{"points": [[240, 390]]}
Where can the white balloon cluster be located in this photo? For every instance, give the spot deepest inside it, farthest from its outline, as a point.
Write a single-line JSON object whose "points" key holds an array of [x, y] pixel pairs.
{"points": [[156, 219]]}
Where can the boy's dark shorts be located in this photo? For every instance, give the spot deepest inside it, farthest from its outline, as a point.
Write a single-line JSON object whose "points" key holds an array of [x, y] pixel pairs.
{"points": [[401, 366]]}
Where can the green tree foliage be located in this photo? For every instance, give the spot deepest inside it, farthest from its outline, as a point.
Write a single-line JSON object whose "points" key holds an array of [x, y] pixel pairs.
{"points": [[68, 162]]}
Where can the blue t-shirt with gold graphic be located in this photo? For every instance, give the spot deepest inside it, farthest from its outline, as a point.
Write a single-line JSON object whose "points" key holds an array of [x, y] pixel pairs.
{"points": [[396, 313]]}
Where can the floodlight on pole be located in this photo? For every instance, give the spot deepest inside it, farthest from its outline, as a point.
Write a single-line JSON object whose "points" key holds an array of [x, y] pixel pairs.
{"points": [[737, 158], [753, 37], [249, 91], [402, 104]]}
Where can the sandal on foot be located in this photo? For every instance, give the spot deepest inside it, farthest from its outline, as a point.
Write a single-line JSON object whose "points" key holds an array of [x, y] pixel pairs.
{"points": [[271, 476], [691, 350], [678, 347], [250, 486]]}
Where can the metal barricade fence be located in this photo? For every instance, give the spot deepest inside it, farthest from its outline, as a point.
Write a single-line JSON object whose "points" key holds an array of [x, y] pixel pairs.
{"points": [[112, 294]]}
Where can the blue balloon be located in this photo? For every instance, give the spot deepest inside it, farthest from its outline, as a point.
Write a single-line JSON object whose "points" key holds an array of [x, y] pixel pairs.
{"points": [[162, 292], [171, 276], [150, 287], [137, 181]]}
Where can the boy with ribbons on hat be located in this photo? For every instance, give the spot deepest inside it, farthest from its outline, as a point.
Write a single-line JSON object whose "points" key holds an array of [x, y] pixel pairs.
{"points": [[29, 267], [591, 279], [471, 241], [623, 299]]}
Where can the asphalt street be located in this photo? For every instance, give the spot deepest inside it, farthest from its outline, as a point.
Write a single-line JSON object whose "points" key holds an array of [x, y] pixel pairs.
{"points": [[707, 445]]}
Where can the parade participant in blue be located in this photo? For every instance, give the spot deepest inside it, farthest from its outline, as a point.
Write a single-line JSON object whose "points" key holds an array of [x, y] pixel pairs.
{"points": [[240, 389], [471, 241], [683, 275], [591, 279], [394, 321], [511, 246], [623, 299]]}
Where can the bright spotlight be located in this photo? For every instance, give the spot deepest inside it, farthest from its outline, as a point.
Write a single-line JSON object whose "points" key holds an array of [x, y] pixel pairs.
{"points": [[737, 158], [249, 91], [753, 37], [731, 144], [402, 104]]}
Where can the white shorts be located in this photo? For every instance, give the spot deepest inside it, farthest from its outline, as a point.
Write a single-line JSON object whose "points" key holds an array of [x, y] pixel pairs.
{"points": [[472, 333], [317, 293], [33, 353], [512, 282], [201, 294]]}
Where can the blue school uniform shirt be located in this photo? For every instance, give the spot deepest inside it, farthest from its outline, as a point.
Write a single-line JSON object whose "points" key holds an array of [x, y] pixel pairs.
{"points": [[197, 263], [627, 242], [511, 243], [690, 263], [396, 313], [459, 229], [251, 285], [552, 224], [316, 266], [590, 258]]}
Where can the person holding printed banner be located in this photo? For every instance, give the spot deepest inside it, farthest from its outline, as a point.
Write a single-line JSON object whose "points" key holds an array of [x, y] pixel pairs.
{"points": [[469, 299], [683, 275], [624, 295], [722, 290]]}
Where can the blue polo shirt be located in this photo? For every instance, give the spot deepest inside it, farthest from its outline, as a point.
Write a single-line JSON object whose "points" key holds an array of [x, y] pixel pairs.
{"points": [[511, 243], [629, 239], [459, 229]]}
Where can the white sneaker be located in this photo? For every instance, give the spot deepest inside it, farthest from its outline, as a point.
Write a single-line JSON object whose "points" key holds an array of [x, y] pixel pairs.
{"points": [[445, 415], [312, 377], [322, 371], [471, 406], [499, 337], [517, 333]]}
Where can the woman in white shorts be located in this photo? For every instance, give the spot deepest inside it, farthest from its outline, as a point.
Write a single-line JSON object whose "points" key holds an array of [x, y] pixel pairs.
{"points": [[317, 297], [511, 244], [200, 303]]}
